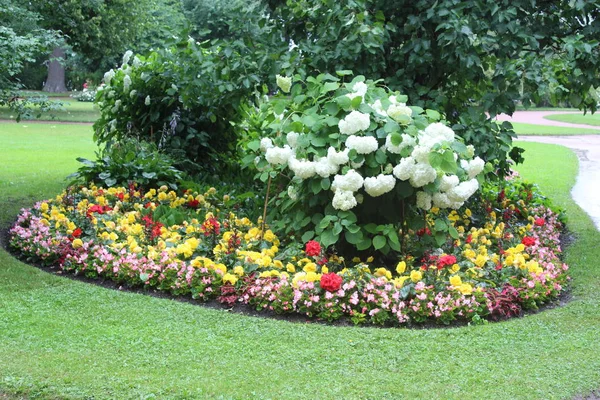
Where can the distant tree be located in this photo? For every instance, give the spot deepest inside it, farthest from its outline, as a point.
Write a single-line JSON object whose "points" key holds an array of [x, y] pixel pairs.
{"points": [[101, 30]]}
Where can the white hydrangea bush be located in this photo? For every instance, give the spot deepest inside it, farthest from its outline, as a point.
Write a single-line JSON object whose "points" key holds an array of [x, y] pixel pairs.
{"points": [[349, 144]]}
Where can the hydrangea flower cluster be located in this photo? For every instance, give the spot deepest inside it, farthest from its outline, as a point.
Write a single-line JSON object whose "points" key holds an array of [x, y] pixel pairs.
{"points": [[378, 133]]}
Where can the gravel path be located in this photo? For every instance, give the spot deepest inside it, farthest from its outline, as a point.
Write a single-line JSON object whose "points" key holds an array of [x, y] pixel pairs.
{"points": [[586, 191]]}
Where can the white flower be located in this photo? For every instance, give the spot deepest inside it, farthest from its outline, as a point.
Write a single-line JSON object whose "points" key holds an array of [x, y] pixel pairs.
{"points": [[147, 100], [378, 107], [407, 141], [324, 168], [448, 182], [423, 200], [108, 76], [423, 174], [136, 62], [351, 181], [343, 200], [440, 200], [396, 111], [303, 169], [463, 191], [279, 155], [127, 57], [421, 154], [393, 100], [116, 106], [111, 94], [132, 93], [266, 143], [435, 133], [381, 184], [354, 122], [126, 83], [337, 157], [473, 167], [360, 88], [405, 169], [470, 150], [292, 139], [292, 192], [284, 83], [362, 144]]}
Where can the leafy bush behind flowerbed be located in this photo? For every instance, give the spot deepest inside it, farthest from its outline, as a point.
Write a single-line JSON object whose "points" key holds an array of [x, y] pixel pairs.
{"points": [[505, 259]]}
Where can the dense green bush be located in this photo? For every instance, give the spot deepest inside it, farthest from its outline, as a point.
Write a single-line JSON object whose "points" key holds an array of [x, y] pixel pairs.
{"points": [[184, 99], [129, 161]]}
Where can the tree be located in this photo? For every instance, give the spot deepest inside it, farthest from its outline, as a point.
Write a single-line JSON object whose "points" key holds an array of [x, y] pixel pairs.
{"points": [[99, 29], [472, 59]]}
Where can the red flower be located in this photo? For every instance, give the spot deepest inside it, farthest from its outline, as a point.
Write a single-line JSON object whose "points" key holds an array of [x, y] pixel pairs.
{"points": [[193, 203], [446, 260], [77, 232], [120, 196], [331, 281], [313, 248], [528, 241], [423, 231], [323, 261], [469, 239], [540, 222]]}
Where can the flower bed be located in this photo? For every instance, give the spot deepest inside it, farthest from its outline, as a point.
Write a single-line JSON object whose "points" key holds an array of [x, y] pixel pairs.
{"points": [[194, 244]]}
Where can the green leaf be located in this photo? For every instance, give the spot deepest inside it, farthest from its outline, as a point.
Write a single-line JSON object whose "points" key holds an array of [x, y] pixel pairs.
{"points": [[144, 277], [434, 115], [379, 242], [357, 101], [331, 108], [440, 238], [354, 237], [308, 235], [328, 238], [329, 86], [149, 175], [344, 72], [440, 225], [325, 184], [363, 244], [453, 233]]}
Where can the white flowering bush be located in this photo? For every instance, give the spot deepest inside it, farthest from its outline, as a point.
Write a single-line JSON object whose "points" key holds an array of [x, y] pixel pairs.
{"points": [[357, 166]]}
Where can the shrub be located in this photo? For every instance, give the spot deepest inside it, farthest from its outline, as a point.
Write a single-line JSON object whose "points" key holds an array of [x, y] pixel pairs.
{"points": [[358, 167], [184, 99], [129, 161]]}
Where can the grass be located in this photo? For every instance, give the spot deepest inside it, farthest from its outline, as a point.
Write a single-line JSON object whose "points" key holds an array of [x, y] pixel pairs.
{"points": [[74, 111], [543, 130], [587, 119], [34, 93], [71, 340]]}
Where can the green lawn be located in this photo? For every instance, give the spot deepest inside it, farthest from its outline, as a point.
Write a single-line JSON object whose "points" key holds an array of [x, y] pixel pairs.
{"points": [[74, 111], [66, 339], [543, 130], [588, 119], [521, 108], [34, 93]]}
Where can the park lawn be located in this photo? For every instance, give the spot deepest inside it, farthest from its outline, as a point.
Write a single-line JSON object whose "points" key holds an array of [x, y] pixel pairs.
{"points": [[587, 119], [546, 130], [36, 93], [71, 340], [521, 108], [74, 111]]}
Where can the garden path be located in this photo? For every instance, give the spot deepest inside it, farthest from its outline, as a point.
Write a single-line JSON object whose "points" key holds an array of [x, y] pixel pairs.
{"points": [[586, 191], [537, 118]]}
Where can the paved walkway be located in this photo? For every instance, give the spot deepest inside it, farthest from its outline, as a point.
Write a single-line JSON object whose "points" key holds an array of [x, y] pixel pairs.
{"points": [[586, 191], [537, 118]]}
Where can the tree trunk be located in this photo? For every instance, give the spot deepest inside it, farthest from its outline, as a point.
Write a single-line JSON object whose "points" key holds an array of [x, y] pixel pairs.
{"points": [[56, 72]]}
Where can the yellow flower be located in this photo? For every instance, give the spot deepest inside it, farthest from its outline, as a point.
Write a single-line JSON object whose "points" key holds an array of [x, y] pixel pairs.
{"points": [[416, 275], [370, 259], [77, 243], [230, 278], [383, 272], [520, 247], [278, 264], [455, 268], [466, 289], [239, 270], [310, 267], [290, 268], [401, 267], [399, 282], [44, 207], [324, 269], [356, 259], [481, 260], [455, 280]]}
